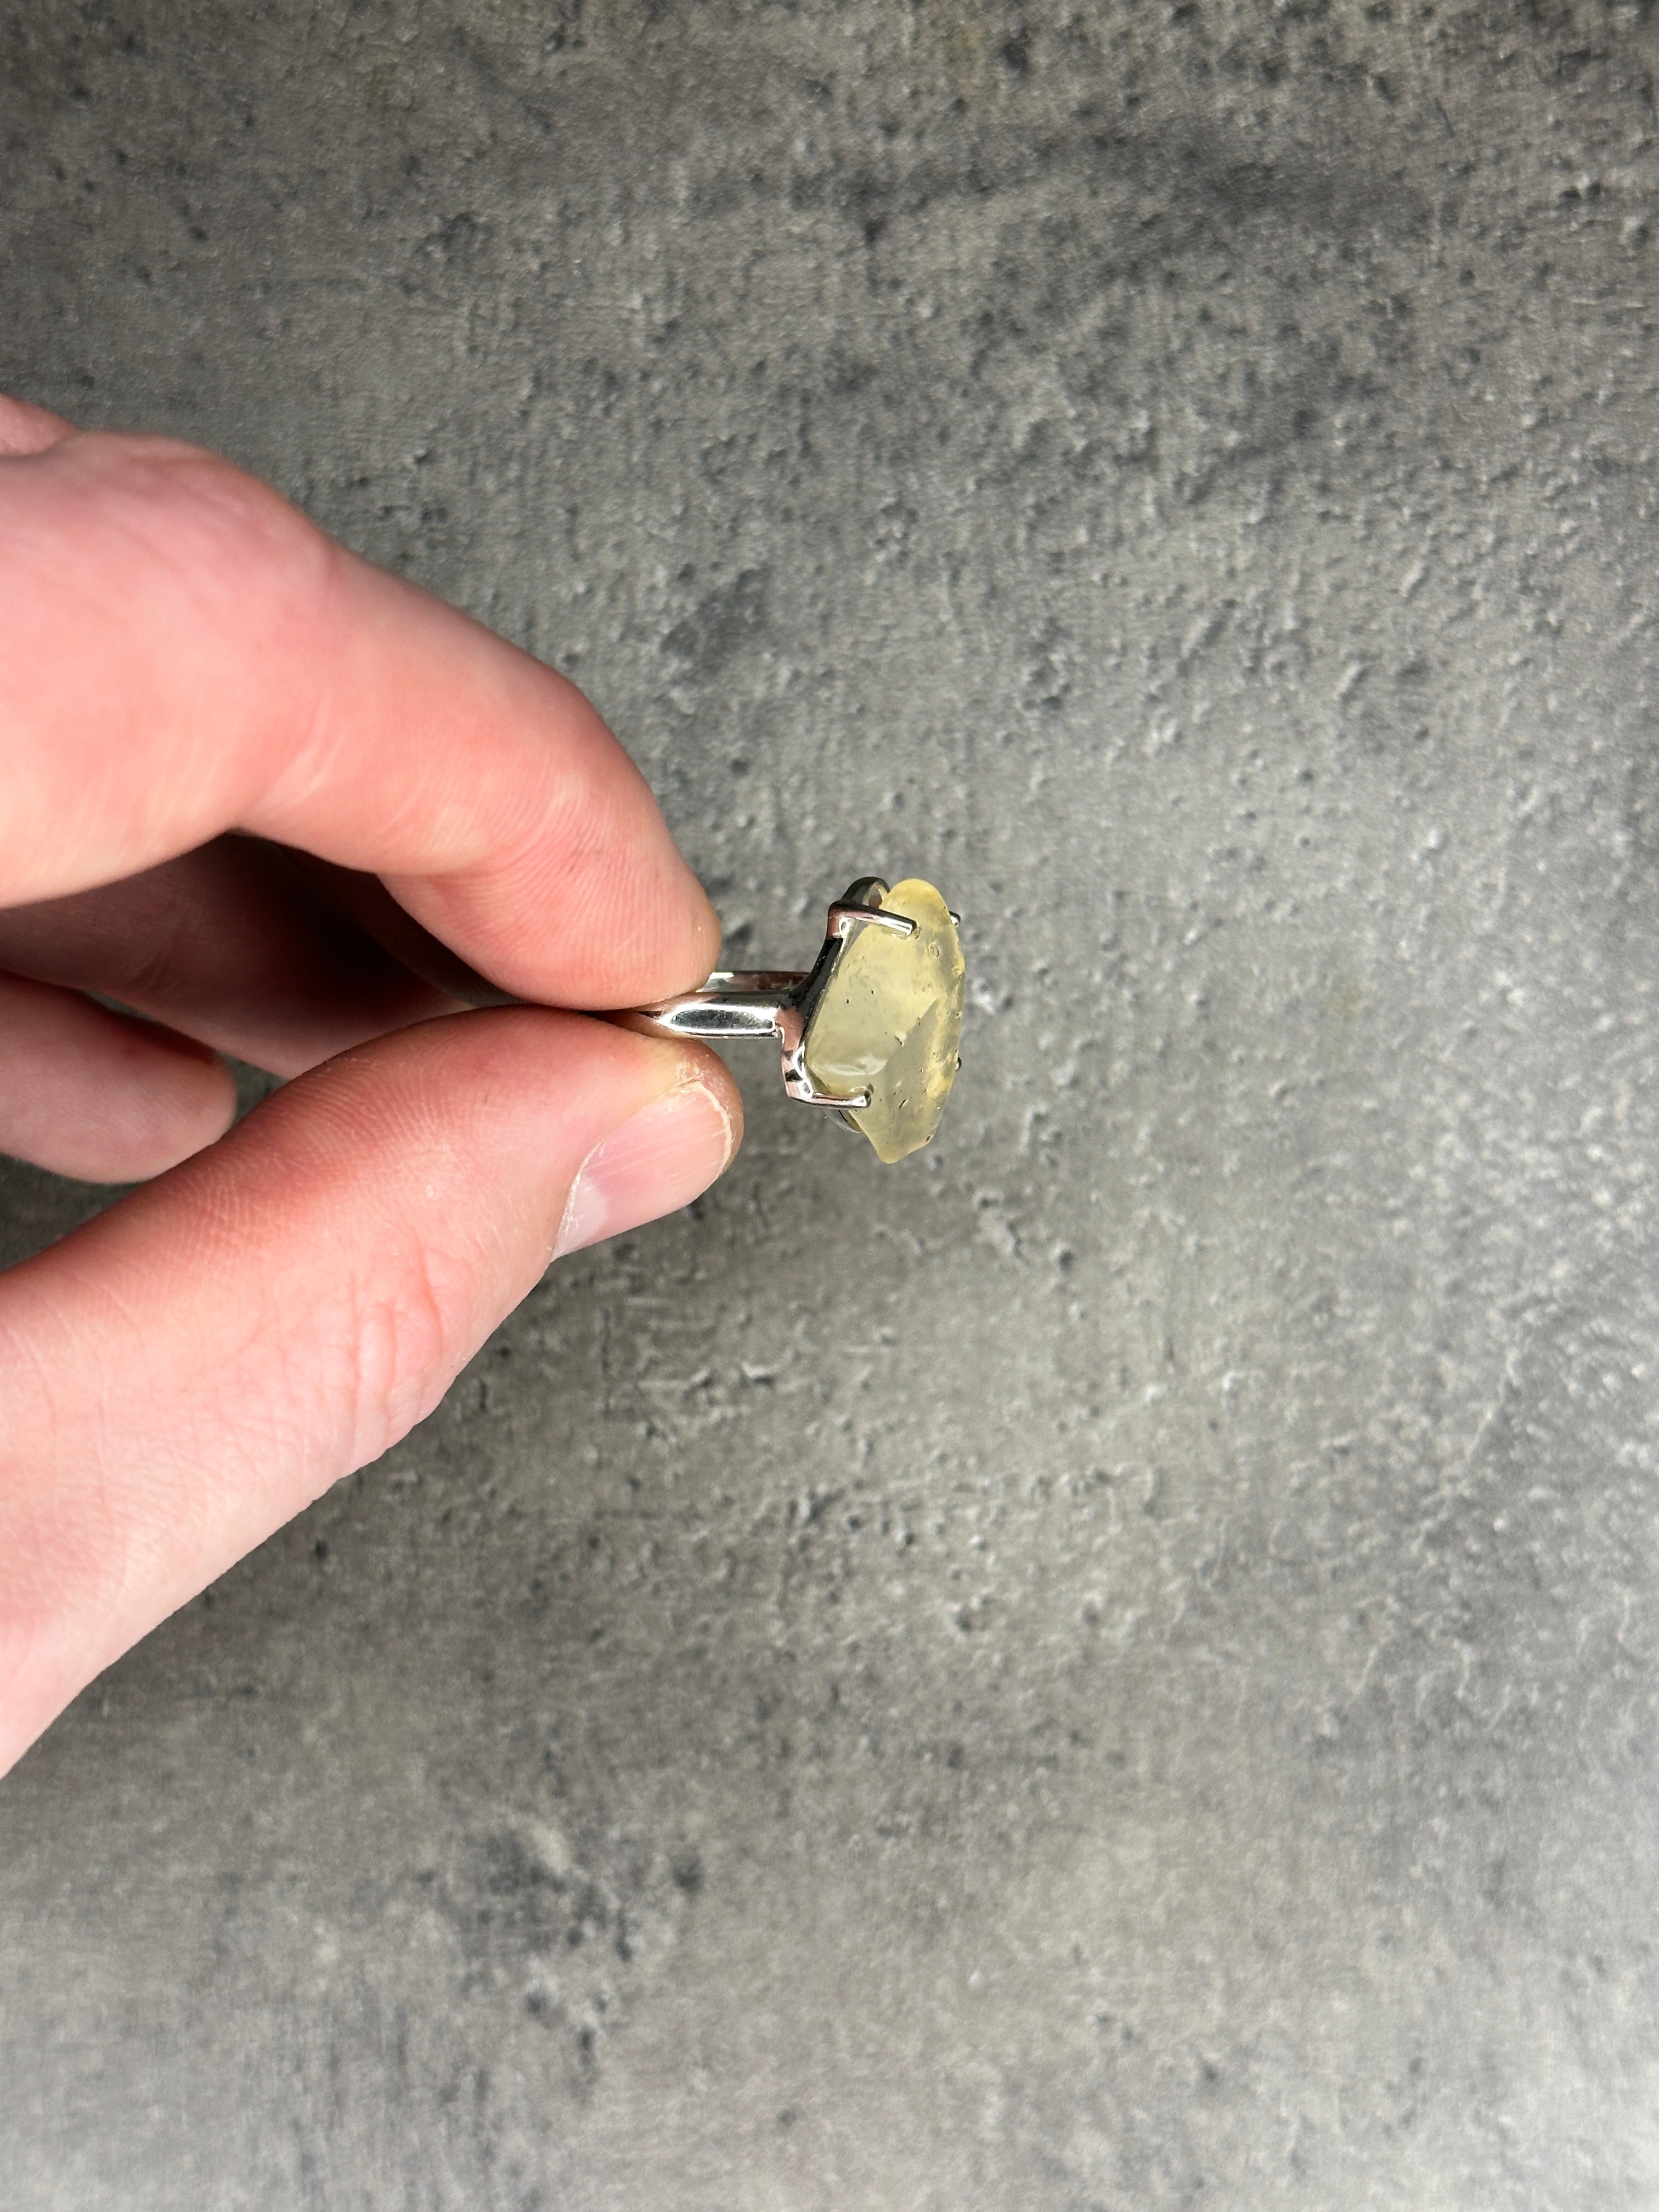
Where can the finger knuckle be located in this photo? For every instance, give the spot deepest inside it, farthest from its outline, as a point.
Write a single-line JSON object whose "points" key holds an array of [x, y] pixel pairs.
{"points": [[214, 528]]}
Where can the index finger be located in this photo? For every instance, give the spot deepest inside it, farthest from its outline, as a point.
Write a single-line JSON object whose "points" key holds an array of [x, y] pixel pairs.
{"points": [[182, 653]]}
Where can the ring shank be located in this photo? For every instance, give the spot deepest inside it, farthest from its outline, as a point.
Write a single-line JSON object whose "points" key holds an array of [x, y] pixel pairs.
{"points": [[776, 1002], [732, 1004]]}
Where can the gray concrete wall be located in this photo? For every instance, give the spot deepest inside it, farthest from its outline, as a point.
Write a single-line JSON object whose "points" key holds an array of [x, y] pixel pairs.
{"points": [[1113, 1667]]}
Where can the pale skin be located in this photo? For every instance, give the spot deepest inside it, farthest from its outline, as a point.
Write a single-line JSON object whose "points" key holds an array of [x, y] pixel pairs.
{"points": [[286, 806]]}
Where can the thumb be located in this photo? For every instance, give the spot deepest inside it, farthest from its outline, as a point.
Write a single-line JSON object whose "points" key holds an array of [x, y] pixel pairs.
{"points": [[187, 1371]]}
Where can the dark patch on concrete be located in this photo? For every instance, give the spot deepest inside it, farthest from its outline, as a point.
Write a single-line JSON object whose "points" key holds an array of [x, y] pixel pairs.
{"points": [[720, 626]]}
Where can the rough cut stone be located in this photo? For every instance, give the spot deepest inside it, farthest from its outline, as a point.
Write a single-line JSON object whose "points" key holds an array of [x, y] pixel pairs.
{"points": [[890, 1023]]}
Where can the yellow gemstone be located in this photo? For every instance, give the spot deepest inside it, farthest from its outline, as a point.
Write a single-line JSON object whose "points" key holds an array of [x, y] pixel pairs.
{"points": [[890, 1022]]}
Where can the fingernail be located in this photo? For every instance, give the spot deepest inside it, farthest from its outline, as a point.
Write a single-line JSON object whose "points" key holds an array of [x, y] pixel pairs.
{"points": [[656, 1163]]}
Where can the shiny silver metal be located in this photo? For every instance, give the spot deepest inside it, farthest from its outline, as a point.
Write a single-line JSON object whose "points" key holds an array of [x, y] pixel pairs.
{"points": [[772, 1002]]}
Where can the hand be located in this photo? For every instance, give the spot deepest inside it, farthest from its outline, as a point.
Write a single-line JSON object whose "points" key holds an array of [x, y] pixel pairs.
{"points": [[287, 807]]}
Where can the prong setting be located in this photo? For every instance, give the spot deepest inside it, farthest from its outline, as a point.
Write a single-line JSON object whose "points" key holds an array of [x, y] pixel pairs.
{"points": [[797, 1078], [782, 1004], [844, 920]]}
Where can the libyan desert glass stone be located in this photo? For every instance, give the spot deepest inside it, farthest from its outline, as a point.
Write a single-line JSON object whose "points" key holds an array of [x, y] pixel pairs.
{"points": [[890, 1022]]}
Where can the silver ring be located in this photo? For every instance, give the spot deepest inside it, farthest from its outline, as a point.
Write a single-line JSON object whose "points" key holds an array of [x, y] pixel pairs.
{"points": [[897, 1021]]}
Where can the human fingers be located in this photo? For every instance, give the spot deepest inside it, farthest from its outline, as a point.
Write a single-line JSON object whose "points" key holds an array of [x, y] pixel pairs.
{"points": [[183, 1374], [184, 653], [232, 944], [89, 1093]]}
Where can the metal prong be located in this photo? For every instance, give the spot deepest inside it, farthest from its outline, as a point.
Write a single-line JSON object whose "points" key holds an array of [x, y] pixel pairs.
{"points": [[852, 1105], [797, 1076], [843, 920]]}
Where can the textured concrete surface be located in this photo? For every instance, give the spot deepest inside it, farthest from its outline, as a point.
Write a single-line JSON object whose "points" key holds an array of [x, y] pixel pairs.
{"points": [[1115, 1667]]}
